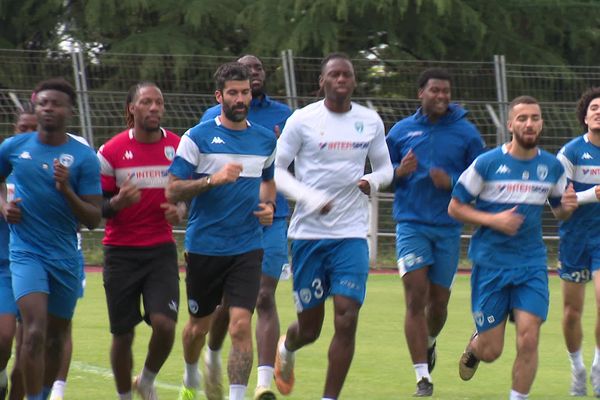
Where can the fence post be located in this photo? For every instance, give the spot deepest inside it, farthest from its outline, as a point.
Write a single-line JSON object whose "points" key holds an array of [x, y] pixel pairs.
{"points": [[502, 96], [373, 228], [287, 59], [85, 119]]}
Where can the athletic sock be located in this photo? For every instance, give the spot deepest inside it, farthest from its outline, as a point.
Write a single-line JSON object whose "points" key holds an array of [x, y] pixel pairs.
{"points": [[285, 353], [265, 376], [237, 392], [422, 371], [125, 396], [191, 376], [147, 378], [514, 395], [596, 357], [431, 341], [576, 359], [58, 388], [3, 378], [212, 356], [46, 392]]}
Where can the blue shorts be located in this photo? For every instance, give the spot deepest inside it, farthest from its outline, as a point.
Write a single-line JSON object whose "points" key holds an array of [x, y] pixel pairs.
{"points": [[420, 245], [328, 267], [275, 247], [7, 298], [60, 279], [495, 292], [81, 263], [578, 258]]}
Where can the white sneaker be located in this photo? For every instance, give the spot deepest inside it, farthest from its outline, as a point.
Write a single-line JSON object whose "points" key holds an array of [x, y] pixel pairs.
{"points": [[213, 380], [578, 383]]}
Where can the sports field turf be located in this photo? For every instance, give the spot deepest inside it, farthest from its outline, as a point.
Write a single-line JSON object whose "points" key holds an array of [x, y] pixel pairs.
{"points": [[381, 369]]}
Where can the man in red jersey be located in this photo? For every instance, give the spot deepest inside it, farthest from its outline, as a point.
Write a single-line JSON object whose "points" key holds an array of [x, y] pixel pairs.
{"points": [[140, 258]]}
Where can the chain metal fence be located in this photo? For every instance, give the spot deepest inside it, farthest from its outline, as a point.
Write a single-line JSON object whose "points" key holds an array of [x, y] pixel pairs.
{"points": [[389, 87]]}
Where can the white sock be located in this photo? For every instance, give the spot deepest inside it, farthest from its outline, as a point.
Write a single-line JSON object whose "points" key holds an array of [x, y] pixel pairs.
{"points": [[237, 392], [596, 357], [430, 341], [191, 376], [422, 371], [147, 377], [212, 356], [265, 376], [327, 398], [125, 396], [285, 353], [58, 388], [514, 395], [3, 378], [576, 360]]}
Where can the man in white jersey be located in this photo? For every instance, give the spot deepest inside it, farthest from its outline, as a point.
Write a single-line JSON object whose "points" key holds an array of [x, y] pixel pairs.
{"points": [[579, 250], [510, 186], [329, 141]]}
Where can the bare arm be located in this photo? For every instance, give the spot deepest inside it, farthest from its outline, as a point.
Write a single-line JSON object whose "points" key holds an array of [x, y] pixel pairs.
{"points": [[87, 209], [267, 202], [507, 221], [185, 189], [568, 204]]}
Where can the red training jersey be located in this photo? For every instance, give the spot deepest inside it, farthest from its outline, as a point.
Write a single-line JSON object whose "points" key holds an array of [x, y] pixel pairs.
{"points": [[144, 223]]}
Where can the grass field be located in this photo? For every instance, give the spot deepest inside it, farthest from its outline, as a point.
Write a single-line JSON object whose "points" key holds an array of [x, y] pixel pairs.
{"points": [[381, 369]]}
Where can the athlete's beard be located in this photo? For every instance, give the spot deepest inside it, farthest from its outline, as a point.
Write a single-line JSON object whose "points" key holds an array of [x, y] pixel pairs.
{"points": [[235, 116], [527, 145]]}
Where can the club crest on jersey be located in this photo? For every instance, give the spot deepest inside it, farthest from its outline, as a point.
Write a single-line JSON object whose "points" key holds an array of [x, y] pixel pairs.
{"points": [[525, 175], [542, 172], [66, 160], [359, 126], [170, 152]]}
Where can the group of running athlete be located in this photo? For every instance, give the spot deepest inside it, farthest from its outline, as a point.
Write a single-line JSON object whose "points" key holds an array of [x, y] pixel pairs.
{"points": [[230, 177]]}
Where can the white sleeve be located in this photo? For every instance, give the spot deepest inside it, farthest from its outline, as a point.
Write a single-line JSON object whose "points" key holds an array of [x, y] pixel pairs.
{"points": [[567, 164], [381, 165], [288, 146], [584, 197]]}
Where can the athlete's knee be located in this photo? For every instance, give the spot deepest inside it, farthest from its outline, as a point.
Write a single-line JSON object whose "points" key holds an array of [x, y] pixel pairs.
{"points": [[240, 329], [490, 352], [163, 325], [54, 346], [571, 316], [6, 339], [346, 321], [265, 302], [34, 338], [527, 343]]}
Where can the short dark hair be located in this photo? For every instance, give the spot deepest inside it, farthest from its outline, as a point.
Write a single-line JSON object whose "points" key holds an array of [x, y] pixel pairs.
{"points": [[59, 84], [334, 56], [26, 108], [433, 73], [522, 100], [584, 102], [231, 71], [131, 95]]}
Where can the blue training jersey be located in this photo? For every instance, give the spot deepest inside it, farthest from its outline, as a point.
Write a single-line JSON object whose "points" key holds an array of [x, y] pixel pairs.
{"points": [[221, 220], [4, 238], [581, 160], [48, 227], [268, 113], [451, 144], [497, 182]]}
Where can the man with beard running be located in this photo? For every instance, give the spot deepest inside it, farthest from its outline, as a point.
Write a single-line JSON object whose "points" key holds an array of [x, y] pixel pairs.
{"points": [[510, 186], [225, 167], [272, 115]]}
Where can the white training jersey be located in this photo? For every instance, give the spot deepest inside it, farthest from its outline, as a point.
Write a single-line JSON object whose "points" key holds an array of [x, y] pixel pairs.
{"points": [[329, 151]]}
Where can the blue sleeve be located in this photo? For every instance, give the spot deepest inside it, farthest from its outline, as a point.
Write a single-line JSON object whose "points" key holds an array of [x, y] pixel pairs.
{"points": [[5, 150], [89, 181], [268, 173], [393, 148], [181, 168], [211, 113], [462, 194]]}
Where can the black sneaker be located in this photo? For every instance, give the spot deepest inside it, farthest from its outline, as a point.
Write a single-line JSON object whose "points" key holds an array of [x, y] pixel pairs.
{"points": [[468, 363], [431, 356], [424, 388]]}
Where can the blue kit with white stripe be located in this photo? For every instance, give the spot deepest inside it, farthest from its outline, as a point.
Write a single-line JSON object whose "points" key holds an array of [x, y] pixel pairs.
{"points": [[497, 182], [221, 220], [267, 113], [451, 144], [48, 227], [579, 247]]}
